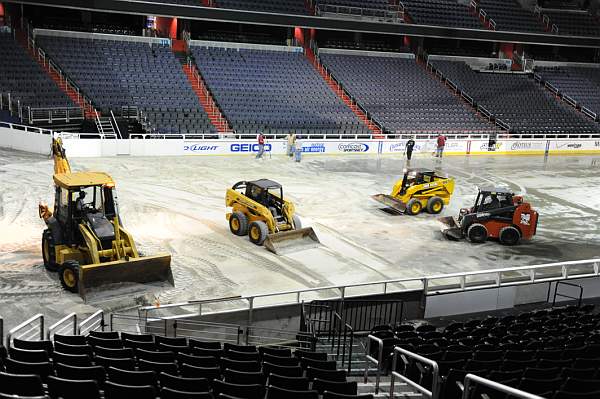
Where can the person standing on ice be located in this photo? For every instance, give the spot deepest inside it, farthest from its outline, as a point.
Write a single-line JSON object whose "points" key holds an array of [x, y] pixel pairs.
{"points": [[297, 150], [291, 144], [410, 145], [261, 146], [441, 143]]}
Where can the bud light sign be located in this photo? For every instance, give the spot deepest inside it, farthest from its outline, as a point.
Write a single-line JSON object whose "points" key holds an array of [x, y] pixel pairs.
{"points": [[199, 148]]}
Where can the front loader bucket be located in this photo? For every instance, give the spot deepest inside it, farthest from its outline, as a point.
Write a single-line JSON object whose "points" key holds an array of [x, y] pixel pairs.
{"points": [[450, 228], [141, 270], [391, 202], [292, 240]]}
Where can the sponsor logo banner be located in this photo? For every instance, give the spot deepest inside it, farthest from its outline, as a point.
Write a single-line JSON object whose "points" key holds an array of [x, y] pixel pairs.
{"points": [[353, 147], [313, 147], [248, 147], [202, 148]]}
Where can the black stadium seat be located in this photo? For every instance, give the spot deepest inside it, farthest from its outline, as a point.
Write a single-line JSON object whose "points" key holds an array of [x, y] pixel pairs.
{"points": [[33, 345], [27, 355], [154, 356], [119, 391], [115, 353], [195, 343], [43, 369], [71, 360], [168, 393], [128, 377], [293, 383], [281, 393], [106, 362], [26, 385], [96, 373], [200, 361], [158, 367], [249, 391], [210, 373], [70, 349], [69, 339], [60, 388], [241, 377], [183, 383], [346, 388]]}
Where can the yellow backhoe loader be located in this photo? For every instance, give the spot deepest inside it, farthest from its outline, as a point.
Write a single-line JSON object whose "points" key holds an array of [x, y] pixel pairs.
{"points": [[85, 241], [260, 211], [419, 189]]}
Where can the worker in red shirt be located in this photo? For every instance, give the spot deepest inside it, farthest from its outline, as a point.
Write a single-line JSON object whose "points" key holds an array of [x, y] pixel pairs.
{"points": [[261, 146], [441, 143]]}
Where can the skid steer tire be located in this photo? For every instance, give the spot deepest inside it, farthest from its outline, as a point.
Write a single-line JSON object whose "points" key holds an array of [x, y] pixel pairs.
{"points": [[258, 232], [49, 251], [238, 223], [297, 222], [414, 207], [477, 233], [68, 273], [509, 235], [435, 205]]}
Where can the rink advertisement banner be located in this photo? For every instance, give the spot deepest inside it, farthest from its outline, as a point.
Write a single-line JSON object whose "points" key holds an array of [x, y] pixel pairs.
{"points": [[91, 147]]}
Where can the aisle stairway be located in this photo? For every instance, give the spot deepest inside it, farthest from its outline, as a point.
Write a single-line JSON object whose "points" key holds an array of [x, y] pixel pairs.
{"points": [[204, 95], [335, 87], [61, 82]]}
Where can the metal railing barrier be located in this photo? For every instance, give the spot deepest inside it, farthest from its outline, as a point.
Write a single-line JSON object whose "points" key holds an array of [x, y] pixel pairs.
{"points": [[26, 330], [371, 360], [578, 298], [92, 323], [64, 325], [471, 379], [406, 357]]}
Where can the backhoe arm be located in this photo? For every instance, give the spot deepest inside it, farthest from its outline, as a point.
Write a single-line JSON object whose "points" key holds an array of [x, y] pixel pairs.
{"points": [[61, 163]]}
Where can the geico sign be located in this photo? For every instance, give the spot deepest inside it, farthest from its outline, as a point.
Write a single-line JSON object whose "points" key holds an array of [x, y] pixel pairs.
{"points": [[248, 147]]}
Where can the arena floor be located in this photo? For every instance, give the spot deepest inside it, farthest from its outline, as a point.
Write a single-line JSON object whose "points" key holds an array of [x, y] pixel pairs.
{"points": [[177, 205]]}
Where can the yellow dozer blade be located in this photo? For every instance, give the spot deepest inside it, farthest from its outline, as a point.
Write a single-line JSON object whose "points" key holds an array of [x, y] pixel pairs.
{"points": [[390, 202], [292, 241], [146, 269], [451, 228]]}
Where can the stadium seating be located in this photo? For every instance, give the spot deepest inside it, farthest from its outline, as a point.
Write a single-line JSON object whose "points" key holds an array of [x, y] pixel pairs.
{"points": [[273, 92], [574, 23], [517, 100], [275, 6], [120, 73], [441, 12], [400, 94], [25, 80], [168, 375], [510, 16], [580, 83], [545, 352]]}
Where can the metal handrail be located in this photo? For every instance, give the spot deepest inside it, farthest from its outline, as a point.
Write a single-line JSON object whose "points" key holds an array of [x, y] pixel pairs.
{"points": [[91, 323], [435, 384], [116, 125], [579, 298], [38, 317], [1, 329], [425, 283], [61, 325], [471, 378], [98, 123], [370, 359]]}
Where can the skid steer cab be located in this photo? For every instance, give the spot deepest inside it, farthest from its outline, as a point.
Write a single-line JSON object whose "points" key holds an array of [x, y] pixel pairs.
{"points": [[497, 213], [84, 240], [260, 211], [419, 189]]}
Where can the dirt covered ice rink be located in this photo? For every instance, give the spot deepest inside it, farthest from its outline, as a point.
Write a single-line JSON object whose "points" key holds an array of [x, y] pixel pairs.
{"points": [[177, 205]]}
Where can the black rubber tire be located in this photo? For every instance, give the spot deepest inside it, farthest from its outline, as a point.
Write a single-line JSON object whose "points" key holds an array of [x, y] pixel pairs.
{"points": [[49, 251], [70, 266], [297, 222], [509, 235], [477, 233], [261, 230], [433, 203], [409, 207], [242, 223]]}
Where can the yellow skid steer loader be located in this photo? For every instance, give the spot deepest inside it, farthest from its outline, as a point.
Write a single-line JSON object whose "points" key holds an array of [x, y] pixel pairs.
{"points": [[84, 240], [419, 189], [260, 211]]}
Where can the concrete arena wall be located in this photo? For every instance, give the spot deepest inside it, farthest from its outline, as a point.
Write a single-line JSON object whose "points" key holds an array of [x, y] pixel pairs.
{"points": [[178, 147], [25, 141]]}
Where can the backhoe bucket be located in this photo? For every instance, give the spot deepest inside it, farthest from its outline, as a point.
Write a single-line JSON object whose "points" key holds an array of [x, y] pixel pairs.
{"points": [[292, 241], [390, 202], [451, 228], [147, 269]]}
